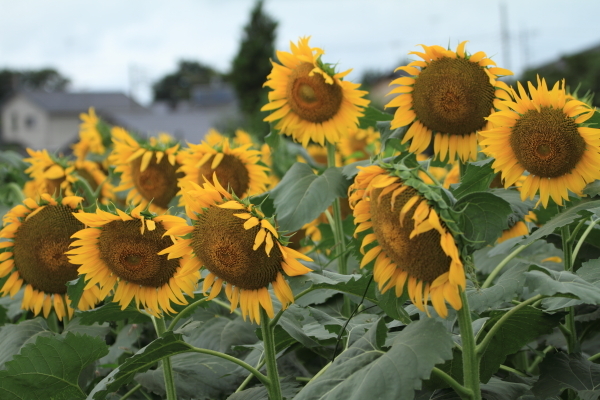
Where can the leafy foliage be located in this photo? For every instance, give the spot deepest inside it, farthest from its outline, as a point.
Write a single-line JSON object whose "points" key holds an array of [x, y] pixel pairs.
{"points": [[562, 371]]}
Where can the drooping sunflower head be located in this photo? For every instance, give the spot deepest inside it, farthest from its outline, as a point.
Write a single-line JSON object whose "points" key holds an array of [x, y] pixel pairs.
{"points": [[90, 138], [543, 136], [149, 170], [118, 252], [237, 168], [33, 256], [239, 247], [309, 100], [448, 95], [406, 240]]}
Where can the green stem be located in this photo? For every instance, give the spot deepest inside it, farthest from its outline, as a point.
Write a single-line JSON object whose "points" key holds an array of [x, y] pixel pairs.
{"points": [[243, 385], [463, 392], [514, 371], [583, 236], [572, 342], [577, 228], [502, 264], [265, 380], [185, 312], [433, 178], [338, 231], [52, 322], [469, 354], [594, 357], [161, 327], [539, 359], [274, 387], [132, 391], [321, 372], [482, 346]]}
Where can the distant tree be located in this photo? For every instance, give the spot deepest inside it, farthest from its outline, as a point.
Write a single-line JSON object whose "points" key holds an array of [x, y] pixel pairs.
{"points": [[251, 66], [580, 69], [178, 85], [47, 79]]}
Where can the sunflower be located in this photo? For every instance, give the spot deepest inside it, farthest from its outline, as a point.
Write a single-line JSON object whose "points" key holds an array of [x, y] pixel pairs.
{"points": [[51, 174], [544, 137], [120, 249], [33, 256], [519, 228], [312, 102], [238, 246], [407, 241], [237, 168], [449, 96], [359, 144], [58, 175], [90, 138], [149, 171]]}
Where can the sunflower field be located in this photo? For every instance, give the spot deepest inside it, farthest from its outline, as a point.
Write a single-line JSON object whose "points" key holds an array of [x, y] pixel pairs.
{"points": [[446, 247]]}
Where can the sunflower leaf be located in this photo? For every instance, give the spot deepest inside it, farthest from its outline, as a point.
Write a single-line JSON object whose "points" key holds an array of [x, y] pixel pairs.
{"points": [[50, 368], [519, 329], [583, 209], [497, 389], [589, 272], [14, 337], [112, 312], [394, 306], [75, 289], [562, 371], [365, 371], [504, 289], [167, 345], [541, 280], [372, 116], [483, 217], [477, 178], [302, 196], [289, 388]]}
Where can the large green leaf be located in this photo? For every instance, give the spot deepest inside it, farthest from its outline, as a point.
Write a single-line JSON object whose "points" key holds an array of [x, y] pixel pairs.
{"points": [[302, 326], [520, 328], [564, 218], [394, 306], [13, 337], [483, 217], [125, 341], [372, 116], [365, 371], [589, 272], [167, 345], [519, 207], [289, 389], [50, 368], [197, 376], [505, 288], [548, 282], [112, 312], [477, 178], [496, 389], [562, 371], [302, 196], [354, 284]]}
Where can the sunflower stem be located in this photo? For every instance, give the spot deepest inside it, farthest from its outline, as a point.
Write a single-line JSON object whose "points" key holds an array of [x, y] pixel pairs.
{"points": [[502, 264], [584, 235], [131, 392], [463, 392], [572, 342], [274, 387], [185, 312], [338, 231], [469, 353], [161, 328]]}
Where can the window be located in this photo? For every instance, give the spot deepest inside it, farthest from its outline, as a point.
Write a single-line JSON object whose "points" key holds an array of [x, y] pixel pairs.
{"points": [[30, 122]]}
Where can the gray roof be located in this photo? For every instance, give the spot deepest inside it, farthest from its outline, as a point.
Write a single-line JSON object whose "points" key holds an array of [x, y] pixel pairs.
{"points": [[74, 103]]}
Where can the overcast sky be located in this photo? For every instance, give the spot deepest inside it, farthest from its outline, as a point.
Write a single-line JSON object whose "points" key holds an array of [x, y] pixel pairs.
{"points": [[127, 45]]}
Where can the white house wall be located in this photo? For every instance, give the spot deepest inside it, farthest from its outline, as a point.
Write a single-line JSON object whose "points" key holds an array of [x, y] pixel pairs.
{"points": [[61, 131], [25, 123]]}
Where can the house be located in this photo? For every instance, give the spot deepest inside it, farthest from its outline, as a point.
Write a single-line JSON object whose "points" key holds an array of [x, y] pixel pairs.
{"points": [[42, 120]]}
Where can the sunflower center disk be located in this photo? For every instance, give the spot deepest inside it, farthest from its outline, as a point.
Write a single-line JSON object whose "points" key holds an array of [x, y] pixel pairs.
{"points": [[453, 96], [231, 172], [421, 256], [311, 97], [158, 181], [547, 143], [224, 247], [133, 257], [39, 247]]}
